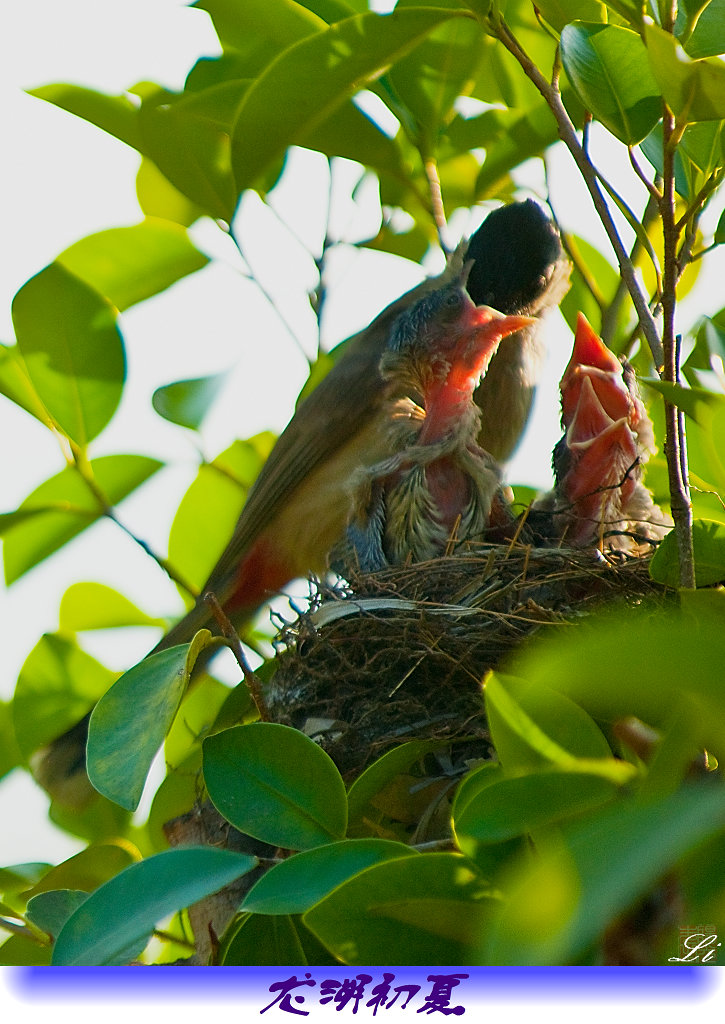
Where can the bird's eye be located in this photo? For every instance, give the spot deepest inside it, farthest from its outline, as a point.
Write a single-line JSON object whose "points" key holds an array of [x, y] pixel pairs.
{"points": [[454, 300]]}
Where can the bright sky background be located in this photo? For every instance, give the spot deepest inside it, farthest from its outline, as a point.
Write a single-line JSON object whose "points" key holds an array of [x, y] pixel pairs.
{"points": [[63, 179]]}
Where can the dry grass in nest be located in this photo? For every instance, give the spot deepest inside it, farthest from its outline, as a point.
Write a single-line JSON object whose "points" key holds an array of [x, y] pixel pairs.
{"points": [[400, 654]]}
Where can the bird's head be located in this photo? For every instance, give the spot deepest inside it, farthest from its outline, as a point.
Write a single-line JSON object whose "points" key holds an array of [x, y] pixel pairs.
{"points": [[441, 346]]}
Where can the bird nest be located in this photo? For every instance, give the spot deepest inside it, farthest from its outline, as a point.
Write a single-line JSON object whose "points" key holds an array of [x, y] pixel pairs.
{"points": [[400, 654]]}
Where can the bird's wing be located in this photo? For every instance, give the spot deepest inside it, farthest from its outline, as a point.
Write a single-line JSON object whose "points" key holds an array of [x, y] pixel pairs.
{"points": [[328, 418]]}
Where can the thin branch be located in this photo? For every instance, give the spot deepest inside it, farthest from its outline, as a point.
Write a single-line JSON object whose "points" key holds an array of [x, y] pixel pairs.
{"points": [[235, 645], [82, 466], [436, 200], [251, 276], [568, 135], [609, 319], [675, 441]]}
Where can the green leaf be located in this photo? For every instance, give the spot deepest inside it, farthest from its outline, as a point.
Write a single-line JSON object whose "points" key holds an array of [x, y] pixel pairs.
{"points": [[353, 53], [16, 385], [258, 30], [380, 774], [131, 264], [73, 350], [63, 506], [608, 68], [296, 884], [601, 275], [511, 805], [534, 726], [560, 12], [192, 152], [522, 135], [177, 793], [708, 35], [57, 685], [157, 197], [18, 877], [695, 90], [126, 909], [197, 715], [708, 539], [217, 496], [696, 402], [442, 67], [50, 910], [187, 402], [264, 942], [664, 663], [89, 868], [117, 115], [96, 606], [10, 755], [129, 723], [275, 784], [558, 906], [19, 951], [433, 907]]}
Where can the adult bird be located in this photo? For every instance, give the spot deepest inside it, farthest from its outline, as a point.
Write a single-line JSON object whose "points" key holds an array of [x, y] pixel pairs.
{"points": [[599, 498], [298, 509], [435, 482]]}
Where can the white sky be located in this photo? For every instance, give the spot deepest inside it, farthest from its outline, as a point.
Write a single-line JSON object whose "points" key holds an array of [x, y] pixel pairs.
{"points": [[63, 179]]}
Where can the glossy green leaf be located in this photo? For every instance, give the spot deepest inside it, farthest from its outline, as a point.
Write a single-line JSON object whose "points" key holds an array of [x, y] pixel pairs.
{"points": [[177, 793], [258, 30], [708, 539], [89, 868], [17, 877], [129, 723], [73, 350], [646, 664], [698, 403], [353, 53], [560, 905], [261, 941], [433, 907], [350, 133], [96, 606], [57, 685], [607, 66], [117, 115], [521, 136], [442, 67], [10, 755], [16, 385], [217, 496], [126, 909], [187, 402], [131, 264], [514, 804], [296, 884], [50, 910], [380, 774], [275, 784], [560, 12], [197, 715], [192, 152], [64, 506], [157, 197], [535, 726], [702, 144], [595, 293], [19, 951], [695, 90], [708, 36]]}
